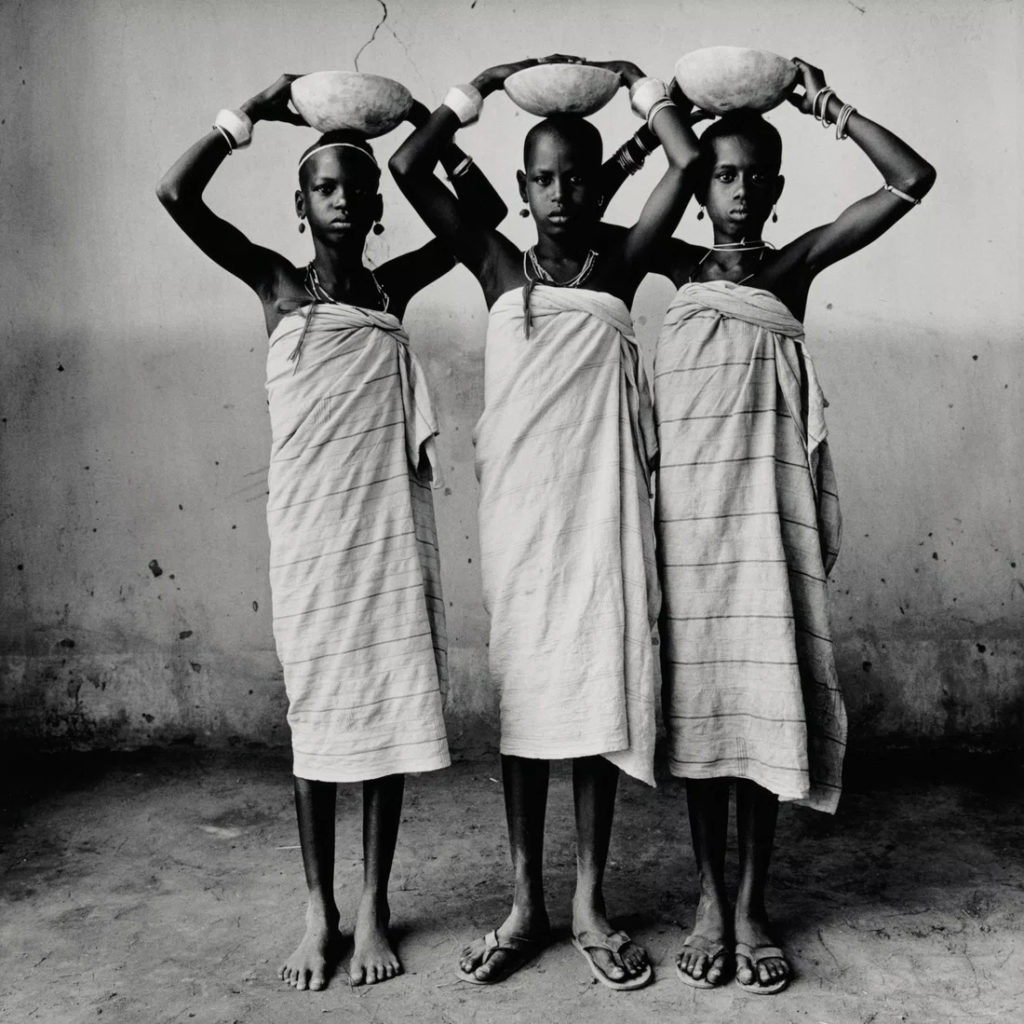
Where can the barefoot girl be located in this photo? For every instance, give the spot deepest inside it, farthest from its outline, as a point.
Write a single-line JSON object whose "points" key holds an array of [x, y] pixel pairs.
{"points": [[564, 450], [748, 519], [358, 616]]}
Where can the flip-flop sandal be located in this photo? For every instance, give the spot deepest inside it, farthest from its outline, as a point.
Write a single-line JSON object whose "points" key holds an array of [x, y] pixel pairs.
{"points": [[585, 942], [522, 948], [757, 955], [713, 951]]}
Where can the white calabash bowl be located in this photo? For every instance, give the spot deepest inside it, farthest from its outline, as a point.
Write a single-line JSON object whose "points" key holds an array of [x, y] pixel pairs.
{"points": [[723, 78], [350, 100], [547, 89]]}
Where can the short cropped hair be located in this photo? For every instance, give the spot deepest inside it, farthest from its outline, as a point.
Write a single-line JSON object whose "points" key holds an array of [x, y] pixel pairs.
{"points": [[744, 123], [339, 137], [575, 130]]}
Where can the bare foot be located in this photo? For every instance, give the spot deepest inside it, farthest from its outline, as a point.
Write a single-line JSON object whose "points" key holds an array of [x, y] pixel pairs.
{"points": [[710, 931], [522, 922], [753, 930], [630, 961], [373, 959], [316, 956]]}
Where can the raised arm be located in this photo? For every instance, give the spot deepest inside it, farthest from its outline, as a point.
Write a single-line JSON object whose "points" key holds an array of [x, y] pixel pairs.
{"points": [[181, 189], [479, 201], [633, 153], [670, 124], [457, 225], [907, 176]]}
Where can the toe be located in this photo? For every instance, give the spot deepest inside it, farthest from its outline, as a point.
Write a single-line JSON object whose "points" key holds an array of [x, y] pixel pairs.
{"points": [[744, 973], [301, 984], [714, 972], [608, 966], [635, 959], [357, 977], [317, 981]]}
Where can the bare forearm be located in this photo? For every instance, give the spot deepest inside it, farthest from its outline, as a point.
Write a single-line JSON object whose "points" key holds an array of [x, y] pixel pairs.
{"points": [[186, 181], [672, 128], [898, 164], [422, 150]]}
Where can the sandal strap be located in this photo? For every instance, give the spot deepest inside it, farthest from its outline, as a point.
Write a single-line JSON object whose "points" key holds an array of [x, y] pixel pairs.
{"points": [[612, 943], [711, 948], [759, 954], [514, 944]]}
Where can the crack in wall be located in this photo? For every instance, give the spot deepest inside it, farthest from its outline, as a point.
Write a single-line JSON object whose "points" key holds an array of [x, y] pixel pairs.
{"points": [[373, 35]]}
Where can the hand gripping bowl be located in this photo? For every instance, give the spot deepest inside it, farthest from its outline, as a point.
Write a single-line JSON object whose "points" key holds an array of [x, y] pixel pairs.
{"points": [[547, 89], [368, 104], [723, 78]]}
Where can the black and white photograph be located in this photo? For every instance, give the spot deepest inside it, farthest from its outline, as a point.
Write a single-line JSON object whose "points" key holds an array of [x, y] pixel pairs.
{"points": [[511, 512]]}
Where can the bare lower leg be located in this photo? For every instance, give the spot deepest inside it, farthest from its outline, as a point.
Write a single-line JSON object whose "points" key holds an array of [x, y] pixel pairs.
{"points": [[594, 783], [708, 806], [525, 783], [310, 964], [373, 959], [757, 811]]}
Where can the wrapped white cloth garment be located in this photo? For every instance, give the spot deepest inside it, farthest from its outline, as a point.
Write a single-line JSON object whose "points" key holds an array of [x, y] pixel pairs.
{"points": [[355, 578], [563, 449], [748, 528]]}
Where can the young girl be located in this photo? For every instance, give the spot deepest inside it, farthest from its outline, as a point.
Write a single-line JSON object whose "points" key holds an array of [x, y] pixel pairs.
{"points": [[358, 615], [564, 451], [748, 520]]}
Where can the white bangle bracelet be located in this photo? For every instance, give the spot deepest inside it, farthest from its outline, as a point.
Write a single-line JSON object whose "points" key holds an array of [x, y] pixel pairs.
{"points": [[657, 106], [644, 93], [225, 135], [464, 101], [902, 195], [237, 125], [461, 168]]}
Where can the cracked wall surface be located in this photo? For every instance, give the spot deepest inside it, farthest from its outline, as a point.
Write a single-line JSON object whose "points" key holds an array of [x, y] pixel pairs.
{"points": [[133, 551]]}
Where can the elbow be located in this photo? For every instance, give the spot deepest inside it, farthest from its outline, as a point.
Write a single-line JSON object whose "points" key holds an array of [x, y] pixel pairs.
{"points": [[924, 180], [399, 166], [919, 182], [168, 194], [497, 213]]}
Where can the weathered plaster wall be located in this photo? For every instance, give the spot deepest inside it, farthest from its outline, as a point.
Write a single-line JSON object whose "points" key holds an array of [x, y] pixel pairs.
{"points": [[133, 553]]}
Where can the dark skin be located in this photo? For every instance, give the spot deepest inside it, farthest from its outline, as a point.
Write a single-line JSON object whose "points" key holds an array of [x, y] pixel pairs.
{"points": [[337, 184], [564, 193], [743, 186], [338, 198], [562, 185]]}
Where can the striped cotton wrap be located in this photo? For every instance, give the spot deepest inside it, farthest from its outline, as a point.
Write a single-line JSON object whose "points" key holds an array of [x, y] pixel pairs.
{"points": [[354, 571], [563, 451], [748, 528]]}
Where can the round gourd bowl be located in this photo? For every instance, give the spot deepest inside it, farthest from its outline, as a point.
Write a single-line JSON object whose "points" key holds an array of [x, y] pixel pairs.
{"points": [[547, 89], [333, 100], [723, 78]]}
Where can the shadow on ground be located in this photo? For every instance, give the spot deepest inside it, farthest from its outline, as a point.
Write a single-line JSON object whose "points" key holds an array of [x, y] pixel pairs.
{"points": [[164, 886]]}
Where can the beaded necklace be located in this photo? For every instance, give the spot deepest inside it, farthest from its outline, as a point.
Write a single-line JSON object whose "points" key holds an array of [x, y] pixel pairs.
{"points": [[742, 246], [319, 293], [530, 262]]}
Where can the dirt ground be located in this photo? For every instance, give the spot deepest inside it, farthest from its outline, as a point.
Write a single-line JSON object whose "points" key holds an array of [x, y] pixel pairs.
{"points": [[165, 886]]}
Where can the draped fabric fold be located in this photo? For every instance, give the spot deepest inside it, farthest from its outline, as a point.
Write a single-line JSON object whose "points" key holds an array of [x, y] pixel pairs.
{"points": [[564, 450], [355, 577], [748, 528]]}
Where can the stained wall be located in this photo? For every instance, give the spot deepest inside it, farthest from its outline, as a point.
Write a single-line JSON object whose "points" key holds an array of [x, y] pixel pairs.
{"points": [[133, 551]]}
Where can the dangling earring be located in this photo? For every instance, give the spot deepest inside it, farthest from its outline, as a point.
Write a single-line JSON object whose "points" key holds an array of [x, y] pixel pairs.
{"points": [[775, 216], [302, 225], [524, 212], [378, 228], [700, 213]]}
